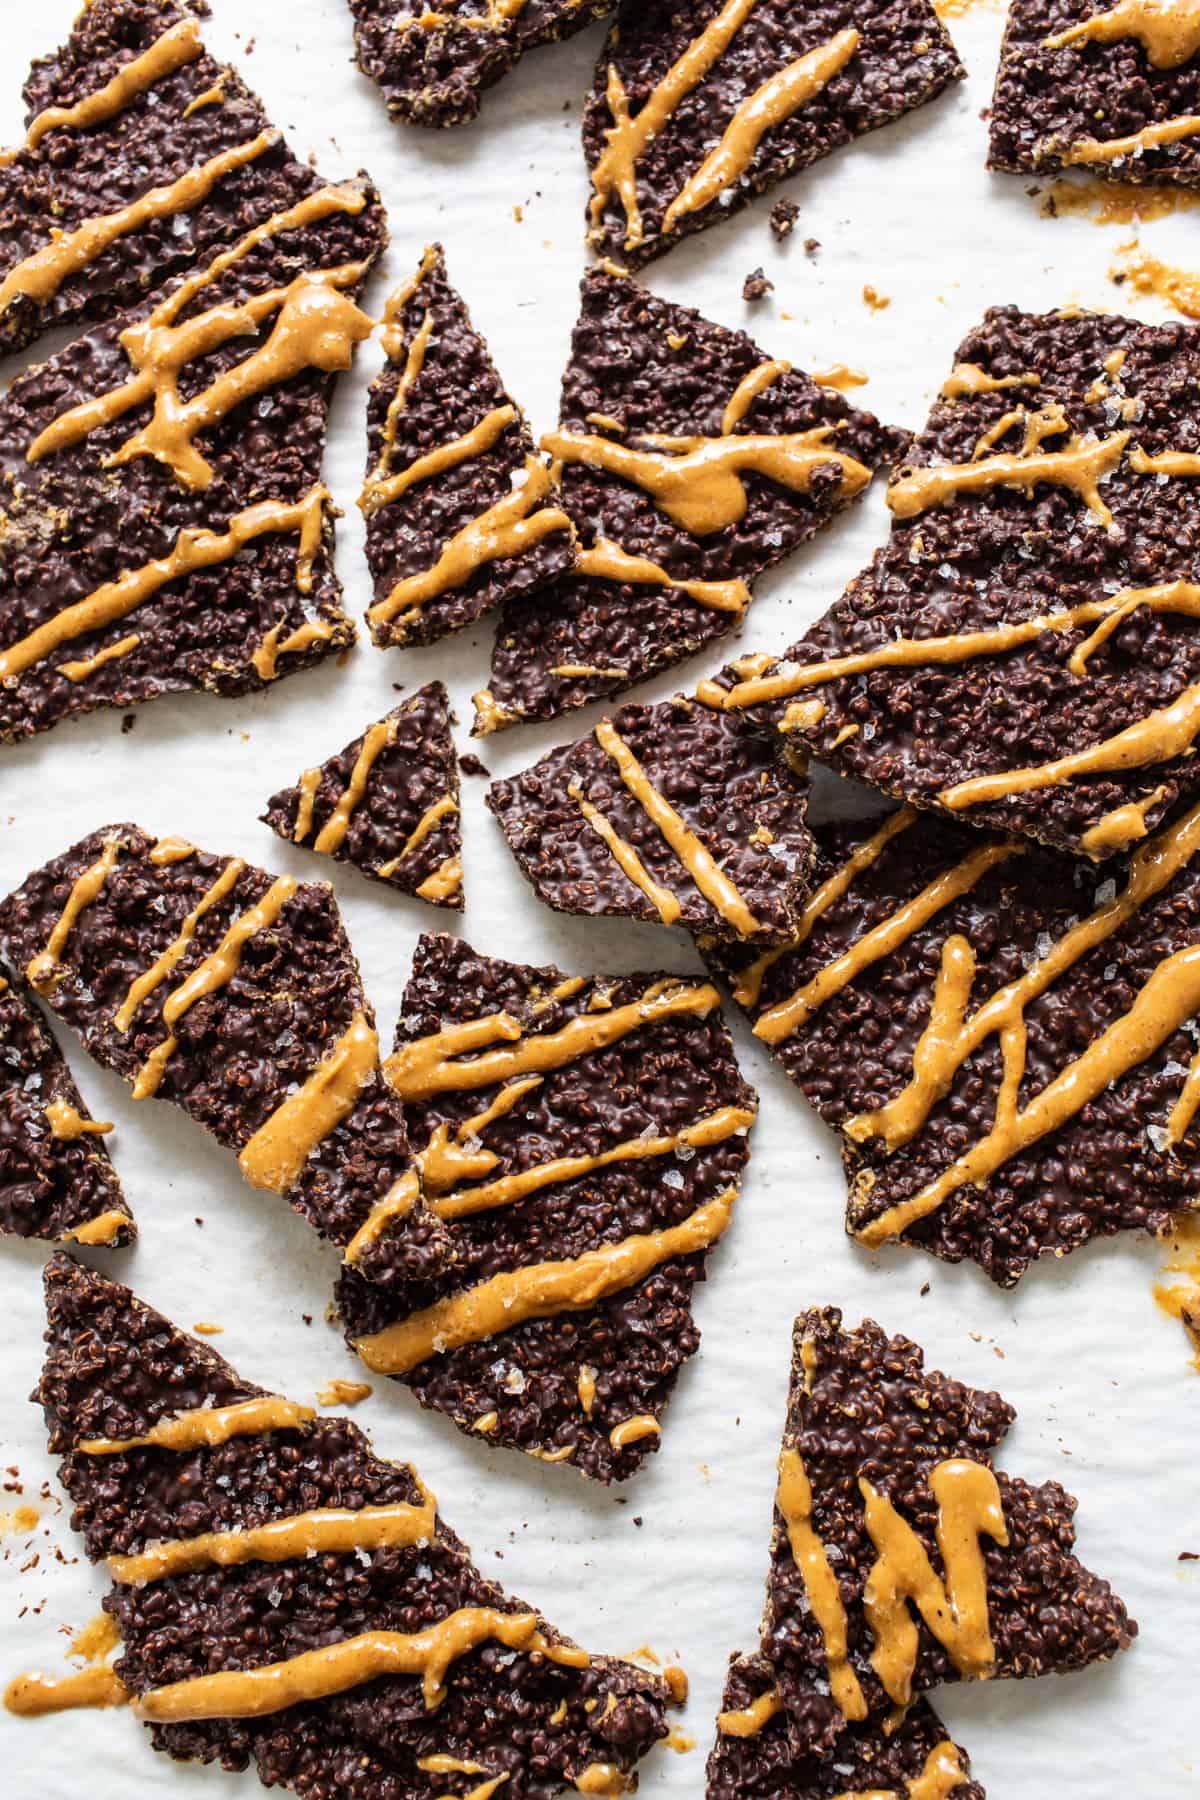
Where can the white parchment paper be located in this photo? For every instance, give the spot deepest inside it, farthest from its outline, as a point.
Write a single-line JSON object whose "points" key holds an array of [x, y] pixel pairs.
{"points": [[1107, 1402]]}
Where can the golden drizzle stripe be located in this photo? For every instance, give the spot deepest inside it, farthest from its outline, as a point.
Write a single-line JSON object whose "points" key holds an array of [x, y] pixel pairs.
{"points": [[384, 490], [427, 823], [445, 880], [1081, 467], [626, 857], [606, 561], [446, 1158], [793, 1499], [748, 1721], [333, 833], [103, 1229], [276, 1154], [968, 378], [395, 1205], [205, 1426], [1152, 137], [79, 671], [44, 969], [940, 1775], [1168, 30], [67, 1123], [144, 985]]}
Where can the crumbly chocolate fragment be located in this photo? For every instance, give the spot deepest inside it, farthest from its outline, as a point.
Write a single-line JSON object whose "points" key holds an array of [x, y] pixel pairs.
{"points": [[862, 1407], [166, 525], [1053, 105], [264, 1007], [771, 88], [1115, 1163], [432, 67], [169, 129], [440, 397], [56, 1177], [640, 368], [735, 802], [591, 1146], [784, 214], [388, 803], [762, 1765], [114, 1369], [756, 287], [1122, 642]]}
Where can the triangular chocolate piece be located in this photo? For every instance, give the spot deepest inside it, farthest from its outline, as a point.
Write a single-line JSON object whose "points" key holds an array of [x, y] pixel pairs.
{"points": [[288, 1600], [690, 818], [692, 463], [388, 803], [582, 1140], [56, 1179], [203, 980], [461, 513]]}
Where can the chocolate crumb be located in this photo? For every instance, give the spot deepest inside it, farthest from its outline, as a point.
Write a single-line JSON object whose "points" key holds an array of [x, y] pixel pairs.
{"points": [[756, 286], [784, 214]]}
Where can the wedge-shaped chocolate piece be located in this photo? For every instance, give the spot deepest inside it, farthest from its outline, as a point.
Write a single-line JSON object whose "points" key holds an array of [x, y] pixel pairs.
{"points": [[692, 462], [433, 65], [582, 1140], [1005, 1039], [900, 1558], [753, 1758], [143, 155], [56, 1179], [1111, 86], [166, 526], [388, 803], [669, 812], [202, 980], [695, 110], [288, 1600], [1025, 650], [461, 513]]}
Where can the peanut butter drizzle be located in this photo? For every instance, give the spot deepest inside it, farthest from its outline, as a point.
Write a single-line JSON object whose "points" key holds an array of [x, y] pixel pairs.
{"points": [[581, 672], [717, 1128], [429, 1065], [381, 491], [214, 973], [942, 1773], [67, 1122], [44, 970], [956, 1610], [316, 1674], [747, 986], [194, 549], [344, 1393], [603, 1780], [781, 1020], [506, 529], [428, 822], [538, 1291], [79, 671], [453, 1155], [279, 1149], [1181, 1299], [1165, 462], [181, 44], [773, 103], [32, 1696], [144, 985], [437, 1764], [793, 1498], [40, 275], [206, 1426], [396, 1204], [444, 881], [1120, 828], [1146, 274], [326, 1531], [266, 658], [968, 378], [414, 362], [606, 561], [840, 376], [1168, 30], [210, 96], [748, 1721], [103, 1229], [748, 390], [585, 1387], [632, 1431], [170, 850], [700, 486], [392, 335], [309, 782], [1151, 137], [626, 857], [333, 833], [1081, 466]]}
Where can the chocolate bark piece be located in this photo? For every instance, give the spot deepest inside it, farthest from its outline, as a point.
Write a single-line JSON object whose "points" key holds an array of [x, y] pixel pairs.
{"points": [[1113, 88], [518, 1701], [388, 802], [204, 981], [166, 525], [56, 1177], [671, 813], [433, 66], [144, 153], [753, 1761], [461, 512], [883, 1464], [695, 110], [583, 1163], [1044, 534], [1002, 1037], [650, 389]]}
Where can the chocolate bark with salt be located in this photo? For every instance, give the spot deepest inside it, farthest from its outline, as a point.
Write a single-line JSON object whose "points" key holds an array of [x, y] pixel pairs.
{"points": [[461, 513], [1004, 1038], [672, 813], [1024, 652], [582, 1141], [900, 1557], [388, 803], [692, 463], [1108, 86], [204, 981], [248, 1534], [696, 110], [56, 1178]]}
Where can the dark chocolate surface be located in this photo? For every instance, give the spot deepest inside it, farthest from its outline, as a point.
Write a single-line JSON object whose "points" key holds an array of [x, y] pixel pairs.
{"points": [[409, 777], [114, 1368], [726, 783]]}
